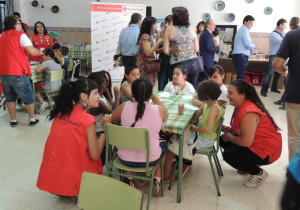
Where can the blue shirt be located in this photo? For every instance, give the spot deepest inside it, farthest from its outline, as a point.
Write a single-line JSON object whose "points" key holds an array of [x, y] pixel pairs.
{"points": [[275, 39], [242, 41], [128, 40]]}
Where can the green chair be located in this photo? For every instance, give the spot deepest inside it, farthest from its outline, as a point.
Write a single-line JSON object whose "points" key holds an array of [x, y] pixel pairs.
{"points": [[102, 192], [53, 77], [129, 138]]}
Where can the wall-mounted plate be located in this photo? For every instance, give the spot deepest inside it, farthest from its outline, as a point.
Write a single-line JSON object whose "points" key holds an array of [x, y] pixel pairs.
{"points": [[230, 17], [206, 16], [268, 10], [249, 1], [219, 5]]}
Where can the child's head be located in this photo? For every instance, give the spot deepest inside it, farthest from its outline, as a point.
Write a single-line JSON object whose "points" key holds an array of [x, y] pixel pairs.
{"points": [[55, 47], [216, 32], [132, 73], [100, 78], [108, 82], [208, 90], [179, 74], [216, 73], [63, 51], [48, 54]]}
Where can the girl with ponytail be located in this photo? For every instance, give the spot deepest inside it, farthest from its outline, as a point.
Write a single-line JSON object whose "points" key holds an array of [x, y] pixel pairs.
{"points": [[72, 146], [253, 139], [140, 113]]}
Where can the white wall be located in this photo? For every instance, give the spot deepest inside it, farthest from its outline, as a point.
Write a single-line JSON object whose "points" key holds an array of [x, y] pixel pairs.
{"points": [[76, 13]]}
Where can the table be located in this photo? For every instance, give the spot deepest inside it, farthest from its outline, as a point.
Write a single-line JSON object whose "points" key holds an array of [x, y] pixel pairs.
{"points": [[81, 53], [178, 124]]}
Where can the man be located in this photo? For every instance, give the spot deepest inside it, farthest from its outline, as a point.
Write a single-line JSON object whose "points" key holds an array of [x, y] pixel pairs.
{"points": [[24, 25], [129, 38], [290, 48], [242, 47], [207, 48], [275, 39], [15, 68]]}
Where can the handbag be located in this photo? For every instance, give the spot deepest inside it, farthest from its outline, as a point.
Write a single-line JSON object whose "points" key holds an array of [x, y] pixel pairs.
{"points": [[118, 59], [200, 62], [151, 65]]}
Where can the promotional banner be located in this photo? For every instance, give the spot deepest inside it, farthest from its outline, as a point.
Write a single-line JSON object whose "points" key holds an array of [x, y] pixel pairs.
{"points": [[107, 21]]}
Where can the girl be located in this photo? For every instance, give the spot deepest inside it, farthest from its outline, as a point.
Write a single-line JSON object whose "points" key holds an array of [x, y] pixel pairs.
{"points": [[50, 63], [132, 73], [179, 76], [108, 93], [72, 146]]}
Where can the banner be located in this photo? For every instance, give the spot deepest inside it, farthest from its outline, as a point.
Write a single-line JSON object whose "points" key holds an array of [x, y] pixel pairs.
{"points": [[107, 21]]}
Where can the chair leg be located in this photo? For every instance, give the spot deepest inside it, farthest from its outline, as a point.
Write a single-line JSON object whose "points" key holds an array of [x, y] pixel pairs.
{"points": [[214, 174], [162, 178], [173, 174], [48, 98], [150, 190], [219, 165]]}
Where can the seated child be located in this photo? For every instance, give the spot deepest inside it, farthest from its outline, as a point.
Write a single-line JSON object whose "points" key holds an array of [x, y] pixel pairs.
{"points": [[50, 63], [132, 73], [55, 47], [179, 77], [64, 61]]}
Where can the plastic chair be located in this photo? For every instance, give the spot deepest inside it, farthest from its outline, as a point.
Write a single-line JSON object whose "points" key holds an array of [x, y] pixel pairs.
{"points": [[69, 70], [53, 77], [76, 70], [130, 138], [102, 192]]}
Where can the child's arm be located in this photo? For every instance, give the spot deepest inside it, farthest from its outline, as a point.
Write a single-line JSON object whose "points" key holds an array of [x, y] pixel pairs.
{"points": [[102, 108], [40, 68], [126, 90], [198, 113], [117, 98]]}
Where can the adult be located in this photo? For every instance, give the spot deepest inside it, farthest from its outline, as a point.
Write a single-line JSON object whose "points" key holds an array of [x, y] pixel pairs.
{"points": [[72, 146], [141, 113], [24, 25], [242, 47], [290, 48], [40, 40], [15, 68], [165, 72], [200, 29], [253, 138], [208, 48], [181, 43], [147, 47], [275, 39], [128, 39]]}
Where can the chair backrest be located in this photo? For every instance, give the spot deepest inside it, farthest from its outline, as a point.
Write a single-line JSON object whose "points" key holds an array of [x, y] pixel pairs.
{"points": [[76, 70], [70, 65], [54, 76], [219, 134], [102, 192]]}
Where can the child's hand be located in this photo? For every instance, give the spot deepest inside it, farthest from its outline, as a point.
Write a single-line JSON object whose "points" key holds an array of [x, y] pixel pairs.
{"points": [[226, 137], [196, 102], [226, 129], [106, 119], [117, 92], [193, 128]]}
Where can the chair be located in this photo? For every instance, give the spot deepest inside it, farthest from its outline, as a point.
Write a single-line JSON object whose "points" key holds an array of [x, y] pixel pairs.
{"points": [[102, 192], [68, 73], [75, 70], [53, 77], [129, 138]]}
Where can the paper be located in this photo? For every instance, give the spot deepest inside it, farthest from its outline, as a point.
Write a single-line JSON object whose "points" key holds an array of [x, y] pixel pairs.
{"points": [[164, 95], [189, 106], [186, 97]]}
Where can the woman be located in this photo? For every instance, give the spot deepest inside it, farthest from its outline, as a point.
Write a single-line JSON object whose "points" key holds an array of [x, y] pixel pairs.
{"points": [[200, 28], [72, 146], [181, 43], [40, 40], [253, 139], [141, 113], [146, 46]]}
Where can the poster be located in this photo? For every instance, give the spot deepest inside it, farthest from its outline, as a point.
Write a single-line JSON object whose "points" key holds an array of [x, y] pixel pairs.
{"points": [[107, 21]]}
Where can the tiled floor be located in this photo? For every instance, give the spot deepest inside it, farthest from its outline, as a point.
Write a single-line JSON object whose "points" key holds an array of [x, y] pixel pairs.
{"points": [[21, 150]]}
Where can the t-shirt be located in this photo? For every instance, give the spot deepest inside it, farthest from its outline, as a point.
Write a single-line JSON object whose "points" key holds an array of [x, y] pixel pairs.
{"points": [[216, 59], [124, 98], [188, 88], [25, 41], [51, 65], [99, 117], [223, 96]]}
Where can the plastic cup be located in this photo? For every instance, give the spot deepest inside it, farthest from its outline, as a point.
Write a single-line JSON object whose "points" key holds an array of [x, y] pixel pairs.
{"points": [[177, 90], [180, 108]]}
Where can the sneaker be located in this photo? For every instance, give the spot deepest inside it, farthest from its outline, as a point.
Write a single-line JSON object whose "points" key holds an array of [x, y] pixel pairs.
{"points": [[139, 182], [282, 107], [279, 102], [13, 123], [43, 106], [263, 94], [156, 188], [276, 91], [33, 123], [256, 180], [129, 182]]}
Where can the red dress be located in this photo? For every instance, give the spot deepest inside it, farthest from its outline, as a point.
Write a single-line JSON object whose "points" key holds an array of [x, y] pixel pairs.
{"points": [[38, 44], [66, 155]]}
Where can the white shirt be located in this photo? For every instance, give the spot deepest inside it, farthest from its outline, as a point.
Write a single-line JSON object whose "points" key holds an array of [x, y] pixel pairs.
{"points": [[218, 44], [188, 88], [99, 117], [223, 96], [25, 41]]}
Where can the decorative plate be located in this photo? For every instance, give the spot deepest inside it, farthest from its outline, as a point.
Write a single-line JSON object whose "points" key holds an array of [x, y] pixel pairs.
{"points": [[249, 1], [219, 5], [166, 101], [206, 16], [268, 10], [230, 17]]}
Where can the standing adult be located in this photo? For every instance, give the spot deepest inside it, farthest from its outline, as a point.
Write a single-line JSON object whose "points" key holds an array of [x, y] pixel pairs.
{"points": [[128, 39], [181, 43], [275, 39], [290, 48], [15, 68], [242, 47], [40, 40], [200, 29]]}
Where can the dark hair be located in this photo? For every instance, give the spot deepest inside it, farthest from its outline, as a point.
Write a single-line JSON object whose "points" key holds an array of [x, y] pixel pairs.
{"points": [[182, 68], [294, 23], [180, 16], [248, 18], [98, 77], [169, 19], [216, 32], [215, 68], [281, 21], [50, 52], [208, 89], [55, 46], [128, 69], [146, 27], [64, 50], [35, 30], [200, 23], [69, 95], [250, 94], [109, 83], [135, 18], [10, 22], [141, 90], [16, 14]]}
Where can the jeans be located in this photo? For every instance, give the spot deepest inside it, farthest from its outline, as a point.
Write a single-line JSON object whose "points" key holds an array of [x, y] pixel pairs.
{"points": [[203, 75], [128, 59], [164, 75], [240, 62], [267, 77]]}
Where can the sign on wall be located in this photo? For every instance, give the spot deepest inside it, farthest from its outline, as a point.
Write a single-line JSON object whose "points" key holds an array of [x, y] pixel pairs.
{"points": [[107, 21]]}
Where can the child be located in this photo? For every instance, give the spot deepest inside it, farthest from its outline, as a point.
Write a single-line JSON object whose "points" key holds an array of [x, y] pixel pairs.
{"points": [[64, 61], [108, 93], [55, 47], [179, 76], [132, 73], [50, 64]]}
